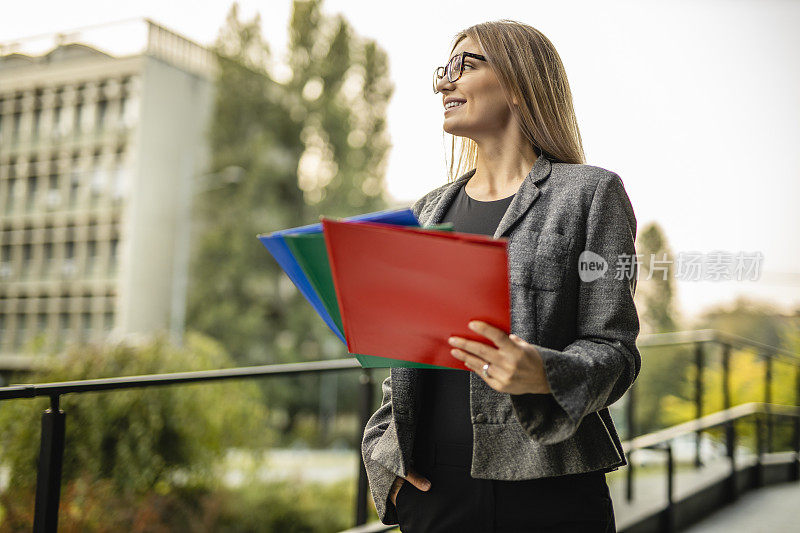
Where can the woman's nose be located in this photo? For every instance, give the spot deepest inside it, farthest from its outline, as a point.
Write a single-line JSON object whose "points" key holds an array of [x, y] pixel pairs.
{"points": [[445, 84]]}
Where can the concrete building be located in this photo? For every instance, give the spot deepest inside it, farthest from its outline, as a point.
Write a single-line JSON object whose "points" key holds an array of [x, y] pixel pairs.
{"points": [[99, 152]]}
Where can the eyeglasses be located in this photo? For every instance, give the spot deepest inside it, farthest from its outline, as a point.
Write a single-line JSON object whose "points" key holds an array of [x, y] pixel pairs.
{"points": [[454, 69]]}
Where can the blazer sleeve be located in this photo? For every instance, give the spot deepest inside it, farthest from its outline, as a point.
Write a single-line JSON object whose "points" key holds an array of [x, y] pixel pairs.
{"points": [[597, 368], [380, 478]]}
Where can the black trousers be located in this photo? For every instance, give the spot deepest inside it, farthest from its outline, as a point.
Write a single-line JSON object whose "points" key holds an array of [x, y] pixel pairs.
{"points": [[457, 502]]}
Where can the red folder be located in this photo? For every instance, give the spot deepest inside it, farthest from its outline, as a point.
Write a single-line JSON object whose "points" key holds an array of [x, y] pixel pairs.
{"points": [[403, 292]]}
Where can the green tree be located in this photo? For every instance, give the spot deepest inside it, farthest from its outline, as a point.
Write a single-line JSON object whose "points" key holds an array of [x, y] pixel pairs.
{"points": [[758, 321], [313, 145], [134, 441], [656, 295], [655, 302]]}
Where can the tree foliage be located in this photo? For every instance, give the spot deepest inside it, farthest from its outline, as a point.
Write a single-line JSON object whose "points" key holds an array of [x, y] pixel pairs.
{"points": [[136, 439], [656, 295], [312, 144], [665, 387]]}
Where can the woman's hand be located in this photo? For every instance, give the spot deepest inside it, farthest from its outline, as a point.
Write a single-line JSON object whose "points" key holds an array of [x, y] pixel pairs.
{"points": [[515, 366], [414, 478]]}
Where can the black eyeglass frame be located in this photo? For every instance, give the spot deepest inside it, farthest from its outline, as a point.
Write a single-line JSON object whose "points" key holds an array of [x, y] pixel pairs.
{"points": [[440, 72]]}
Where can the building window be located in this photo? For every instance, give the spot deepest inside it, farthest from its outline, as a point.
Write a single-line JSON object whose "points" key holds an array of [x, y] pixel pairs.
{"points": [[102, 109], [91, 256], [16, 126], [5, 262], [118, 178], [68, 267], [30, 199], [64, 325], [86, 325], [123, 105], [113, 252], [49, 256], [37, 119], [78, 118], [41, 323], [27, 260], [53, 192], [74, 179], [98, 175], [57, 121], [22, 331], [11, 192], [108, 321]]}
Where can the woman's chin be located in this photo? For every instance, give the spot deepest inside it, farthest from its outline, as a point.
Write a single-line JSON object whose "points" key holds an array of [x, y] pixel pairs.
{"points": [[452, 129]]}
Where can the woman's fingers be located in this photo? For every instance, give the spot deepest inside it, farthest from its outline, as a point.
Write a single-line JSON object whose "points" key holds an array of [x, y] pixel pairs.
{"points": [[413, 477], [418, 480], [398, 482], [496, 335], [476, 364]]}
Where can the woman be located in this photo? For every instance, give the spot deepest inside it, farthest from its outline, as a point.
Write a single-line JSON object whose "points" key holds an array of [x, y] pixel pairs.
{"points": [[522, 442]]}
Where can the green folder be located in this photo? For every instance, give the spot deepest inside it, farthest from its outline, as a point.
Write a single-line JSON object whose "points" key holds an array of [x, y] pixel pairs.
{"points": [[312, 256]]}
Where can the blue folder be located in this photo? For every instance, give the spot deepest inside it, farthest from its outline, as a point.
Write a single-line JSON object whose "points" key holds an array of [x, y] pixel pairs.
{"points": [[276, 246]]}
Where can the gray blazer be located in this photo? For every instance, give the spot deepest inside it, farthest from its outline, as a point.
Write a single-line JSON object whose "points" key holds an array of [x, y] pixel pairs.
{"points": [[585, 331]]}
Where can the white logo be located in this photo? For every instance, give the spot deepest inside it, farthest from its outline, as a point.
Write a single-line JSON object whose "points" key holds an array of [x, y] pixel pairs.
{"points": [[591, 266]]}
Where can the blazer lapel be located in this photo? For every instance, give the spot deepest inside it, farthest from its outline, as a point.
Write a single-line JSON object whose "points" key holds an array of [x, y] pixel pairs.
{"points": [[528, 192], [526, 195]]}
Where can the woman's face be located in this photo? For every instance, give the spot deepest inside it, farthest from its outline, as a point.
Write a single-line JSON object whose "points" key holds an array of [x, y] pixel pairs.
{"points": [[484, 110]]}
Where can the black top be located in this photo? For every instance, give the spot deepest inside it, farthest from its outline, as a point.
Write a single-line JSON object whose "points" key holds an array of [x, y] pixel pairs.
{"points": [[445, 414]]}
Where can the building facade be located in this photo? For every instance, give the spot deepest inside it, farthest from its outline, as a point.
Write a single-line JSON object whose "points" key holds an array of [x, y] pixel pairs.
{"points": [[98, 157]]}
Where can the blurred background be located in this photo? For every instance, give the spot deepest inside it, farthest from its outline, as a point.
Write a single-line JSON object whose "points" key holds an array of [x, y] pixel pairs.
{"points": [[144, 146]]}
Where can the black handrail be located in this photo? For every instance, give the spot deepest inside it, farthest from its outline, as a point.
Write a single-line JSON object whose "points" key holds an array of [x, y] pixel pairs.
{"points": [[662, 440], [726, 341], [52, 442], [52, 439], [175, 378]]}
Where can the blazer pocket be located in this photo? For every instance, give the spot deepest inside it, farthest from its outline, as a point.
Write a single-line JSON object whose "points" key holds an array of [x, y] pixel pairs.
{"points": [[545, 270]]}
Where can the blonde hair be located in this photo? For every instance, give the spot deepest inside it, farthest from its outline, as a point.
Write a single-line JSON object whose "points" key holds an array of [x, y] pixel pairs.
{"points": [[529, 69]]}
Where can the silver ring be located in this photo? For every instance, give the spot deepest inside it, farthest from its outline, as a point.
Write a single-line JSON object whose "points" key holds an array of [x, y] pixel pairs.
{"points": [[486, 371]]}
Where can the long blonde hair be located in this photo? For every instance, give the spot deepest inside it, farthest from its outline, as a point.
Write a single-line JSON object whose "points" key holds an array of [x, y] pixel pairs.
{"points": [[529, 69]]}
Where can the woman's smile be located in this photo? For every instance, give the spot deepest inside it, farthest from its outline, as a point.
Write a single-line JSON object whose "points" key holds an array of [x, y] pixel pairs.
{"points": [[454, 105]]}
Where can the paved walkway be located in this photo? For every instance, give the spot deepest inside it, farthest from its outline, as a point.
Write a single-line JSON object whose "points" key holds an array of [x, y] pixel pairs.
{"points": [[650, 491], [771, 509]]}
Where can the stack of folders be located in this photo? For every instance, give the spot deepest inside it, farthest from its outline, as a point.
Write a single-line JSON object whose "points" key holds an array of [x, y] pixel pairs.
{"points": [[392, 291]]}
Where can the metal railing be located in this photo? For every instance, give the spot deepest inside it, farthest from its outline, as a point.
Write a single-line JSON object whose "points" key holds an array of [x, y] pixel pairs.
{"points": [[662, 440], [51, 450], [53, 420], [726, 342]]}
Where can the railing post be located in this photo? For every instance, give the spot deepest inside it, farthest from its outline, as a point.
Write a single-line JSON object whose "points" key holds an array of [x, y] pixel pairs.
{"points": [[796, 463], [768, 397], [698, 398], [730, 444], [759, 450], [668, 518], [366, 410], [726, 376], [796, 469], [630, 412], [48, 477], [730, 427], [797, 385]]}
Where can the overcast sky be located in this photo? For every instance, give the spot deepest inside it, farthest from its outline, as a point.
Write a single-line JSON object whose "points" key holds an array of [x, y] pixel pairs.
{"points": [[695, 104]]}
